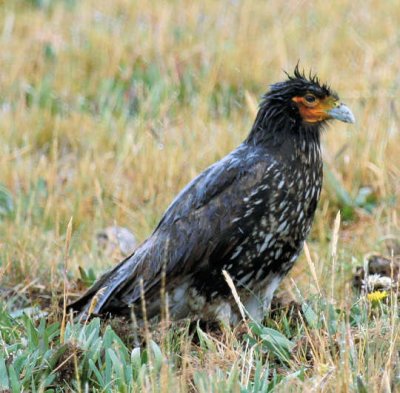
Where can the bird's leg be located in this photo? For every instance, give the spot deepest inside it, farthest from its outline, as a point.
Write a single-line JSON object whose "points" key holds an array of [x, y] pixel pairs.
{"points": [[253, 306], [273, 283], [225, 314], [258, 306]]}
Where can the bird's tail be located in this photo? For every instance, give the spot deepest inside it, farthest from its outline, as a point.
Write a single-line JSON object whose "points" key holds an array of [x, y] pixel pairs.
{"points": [[96, 298]]}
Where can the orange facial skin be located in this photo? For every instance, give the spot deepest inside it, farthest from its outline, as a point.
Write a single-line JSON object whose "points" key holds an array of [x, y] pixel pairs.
{"points": [[316, 111]]}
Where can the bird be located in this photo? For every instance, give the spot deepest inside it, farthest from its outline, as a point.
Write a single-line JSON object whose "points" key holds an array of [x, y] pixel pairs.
{"points": [[247, 215]]}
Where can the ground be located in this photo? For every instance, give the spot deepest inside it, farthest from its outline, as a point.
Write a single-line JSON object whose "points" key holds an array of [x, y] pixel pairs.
{"points": [[107, 109]]}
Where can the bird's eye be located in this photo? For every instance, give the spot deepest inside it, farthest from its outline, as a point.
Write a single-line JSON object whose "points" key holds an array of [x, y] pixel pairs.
{"points": [[310, 98]]}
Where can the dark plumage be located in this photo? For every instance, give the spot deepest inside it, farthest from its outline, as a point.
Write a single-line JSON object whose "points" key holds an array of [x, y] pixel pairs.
{"points": [[248, 214]]}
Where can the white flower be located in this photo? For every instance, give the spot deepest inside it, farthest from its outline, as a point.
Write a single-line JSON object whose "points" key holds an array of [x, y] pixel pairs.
{"points": [[374, 282]]}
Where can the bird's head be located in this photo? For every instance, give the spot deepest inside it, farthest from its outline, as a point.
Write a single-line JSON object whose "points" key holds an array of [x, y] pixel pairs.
{"points": [[308, 100], [299, 104]]}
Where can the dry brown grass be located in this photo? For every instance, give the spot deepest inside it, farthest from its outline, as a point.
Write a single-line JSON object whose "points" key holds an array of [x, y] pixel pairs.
{"points": [[107, 109]]}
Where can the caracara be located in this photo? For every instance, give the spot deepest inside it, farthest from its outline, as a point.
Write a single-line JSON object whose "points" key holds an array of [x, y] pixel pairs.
{"points": [[248, 214]]}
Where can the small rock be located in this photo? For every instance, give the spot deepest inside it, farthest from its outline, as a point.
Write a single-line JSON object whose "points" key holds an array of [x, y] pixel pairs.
{"points": [[378, 273], [116, 239]]}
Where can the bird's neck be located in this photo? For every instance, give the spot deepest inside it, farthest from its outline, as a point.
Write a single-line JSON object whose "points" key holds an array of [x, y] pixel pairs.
{"points": [[285, 135]]}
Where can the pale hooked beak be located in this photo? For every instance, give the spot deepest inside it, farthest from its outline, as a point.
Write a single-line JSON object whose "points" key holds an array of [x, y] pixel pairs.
{"points": [[342, 113]]}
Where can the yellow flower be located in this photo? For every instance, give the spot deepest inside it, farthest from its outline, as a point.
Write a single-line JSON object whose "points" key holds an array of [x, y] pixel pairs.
{"points": [[377, 296]]}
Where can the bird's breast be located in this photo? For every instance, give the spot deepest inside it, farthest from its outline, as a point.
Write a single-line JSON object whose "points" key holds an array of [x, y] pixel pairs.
{"points": [[276, 218]]}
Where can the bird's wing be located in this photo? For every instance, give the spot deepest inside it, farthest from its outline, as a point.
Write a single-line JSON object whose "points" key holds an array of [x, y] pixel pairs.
{"points": [[188, 232]]}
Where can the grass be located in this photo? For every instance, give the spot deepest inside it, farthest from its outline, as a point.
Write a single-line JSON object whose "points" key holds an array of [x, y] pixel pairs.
{"points": [[107, 109]]}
